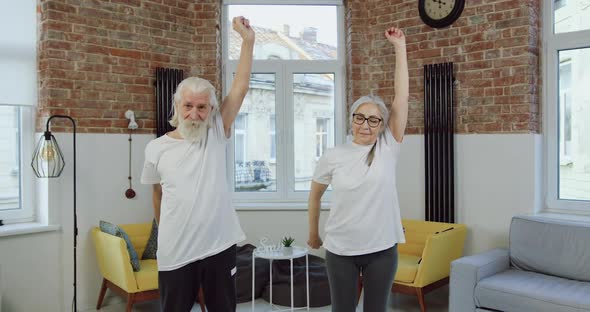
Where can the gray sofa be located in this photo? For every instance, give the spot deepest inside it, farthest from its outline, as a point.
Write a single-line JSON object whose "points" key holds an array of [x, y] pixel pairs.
{"points": [[545, 268]]}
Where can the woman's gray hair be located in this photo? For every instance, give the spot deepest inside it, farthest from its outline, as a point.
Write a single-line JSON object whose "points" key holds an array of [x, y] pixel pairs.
{"points": [[384, 115], [195, 85], [374, 100]]}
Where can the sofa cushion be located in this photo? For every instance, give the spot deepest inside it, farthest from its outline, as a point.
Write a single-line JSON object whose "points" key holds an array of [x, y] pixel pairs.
{"points": [[516, 290], [147, 277], [407, 267], [152, 244], [108, 228], [113, 229], [554, 247]]}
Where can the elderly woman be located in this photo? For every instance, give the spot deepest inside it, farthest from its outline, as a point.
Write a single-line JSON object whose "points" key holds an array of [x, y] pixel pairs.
{"points": [[364, 226]]}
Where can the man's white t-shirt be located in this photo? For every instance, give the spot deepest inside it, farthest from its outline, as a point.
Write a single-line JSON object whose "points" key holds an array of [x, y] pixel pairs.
{"points": [[365, 215], [197, 219]]}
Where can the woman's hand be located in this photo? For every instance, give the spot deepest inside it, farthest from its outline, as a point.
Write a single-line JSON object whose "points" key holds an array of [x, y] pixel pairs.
{"points": [[314, 241], [242, 26], [395, 36]]}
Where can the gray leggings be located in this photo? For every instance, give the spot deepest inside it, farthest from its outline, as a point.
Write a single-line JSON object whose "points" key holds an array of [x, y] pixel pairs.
{"points": [[378, 271]]}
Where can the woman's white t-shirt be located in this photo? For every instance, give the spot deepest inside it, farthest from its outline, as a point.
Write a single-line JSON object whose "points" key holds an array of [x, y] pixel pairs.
{"points": [[365, 215], [197, 219]]}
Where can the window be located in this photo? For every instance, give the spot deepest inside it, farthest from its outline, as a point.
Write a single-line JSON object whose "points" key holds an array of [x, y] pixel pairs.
{"points": [[18, 89], [567, 124], [321, 136], [296, 95]]}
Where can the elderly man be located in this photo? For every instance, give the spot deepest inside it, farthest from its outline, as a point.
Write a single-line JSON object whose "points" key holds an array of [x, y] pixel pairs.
{"points": [[198, 227]]}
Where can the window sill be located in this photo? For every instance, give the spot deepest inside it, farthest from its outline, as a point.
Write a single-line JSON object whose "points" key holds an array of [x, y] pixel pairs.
{"points": [[26, 228], [275, 206]]}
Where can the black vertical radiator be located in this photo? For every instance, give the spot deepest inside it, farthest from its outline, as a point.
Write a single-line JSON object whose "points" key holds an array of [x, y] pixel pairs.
{"points": [[167, 79], [439, 142]]}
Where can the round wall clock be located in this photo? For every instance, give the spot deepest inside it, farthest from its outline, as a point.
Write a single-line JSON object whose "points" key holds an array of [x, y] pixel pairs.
{"points": [[440, 13]]}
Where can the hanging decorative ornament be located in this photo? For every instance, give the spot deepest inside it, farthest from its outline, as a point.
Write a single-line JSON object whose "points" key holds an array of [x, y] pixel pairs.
{"points": [[130, 193]]}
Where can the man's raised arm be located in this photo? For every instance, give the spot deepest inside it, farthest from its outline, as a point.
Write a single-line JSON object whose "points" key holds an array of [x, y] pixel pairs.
{"points": [[241, 83]]}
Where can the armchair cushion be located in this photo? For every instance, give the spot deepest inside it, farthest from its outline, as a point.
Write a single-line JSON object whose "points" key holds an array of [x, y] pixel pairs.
{"points": [[109, 228], [152, 245], [407, 266], [115, 230], [147, 277]]}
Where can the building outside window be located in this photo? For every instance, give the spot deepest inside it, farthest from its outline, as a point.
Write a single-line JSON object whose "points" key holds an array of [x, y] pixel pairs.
{"points": [[297, 81]]}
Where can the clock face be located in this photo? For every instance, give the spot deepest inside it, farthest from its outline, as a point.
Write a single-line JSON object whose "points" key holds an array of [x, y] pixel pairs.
{"points": [[440, 13], [438, 9]]}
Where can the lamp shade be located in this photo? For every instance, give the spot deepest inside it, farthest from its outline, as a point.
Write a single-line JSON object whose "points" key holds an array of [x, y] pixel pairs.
{"points": [[48, 160]]}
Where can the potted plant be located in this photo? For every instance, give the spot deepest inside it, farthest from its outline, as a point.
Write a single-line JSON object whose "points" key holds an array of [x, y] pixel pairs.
{"points": [[287, 242]]}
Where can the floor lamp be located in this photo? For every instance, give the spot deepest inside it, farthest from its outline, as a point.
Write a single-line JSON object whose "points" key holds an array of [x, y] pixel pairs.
{"points": [[48, 162]]}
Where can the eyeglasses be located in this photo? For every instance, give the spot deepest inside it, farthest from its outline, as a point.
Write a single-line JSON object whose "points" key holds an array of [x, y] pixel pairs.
{"points": [[372, 121]]}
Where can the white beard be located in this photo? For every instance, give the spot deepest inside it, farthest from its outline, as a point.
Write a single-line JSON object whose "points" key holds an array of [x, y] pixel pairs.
{"points": [[193, 130]]}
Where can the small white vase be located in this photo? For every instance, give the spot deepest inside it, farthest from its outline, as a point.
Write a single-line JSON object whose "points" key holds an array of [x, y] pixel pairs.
{"points": [[288, 250]]}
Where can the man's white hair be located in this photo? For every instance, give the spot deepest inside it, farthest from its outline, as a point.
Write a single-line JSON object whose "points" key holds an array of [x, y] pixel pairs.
{"points": [[195, 85]]}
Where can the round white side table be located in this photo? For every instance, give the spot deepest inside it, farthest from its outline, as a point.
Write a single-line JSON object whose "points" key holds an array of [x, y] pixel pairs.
{"points": [[297, 252]]}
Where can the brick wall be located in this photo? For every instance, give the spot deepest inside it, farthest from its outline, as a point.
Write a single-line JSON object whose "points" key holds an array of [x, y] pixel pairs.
{"points": [[494, 45], [97, 59]]}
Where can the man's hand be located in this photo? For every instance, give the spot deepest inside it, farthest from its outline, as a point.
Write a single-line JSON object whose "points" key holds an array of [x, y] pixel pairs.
{"points": [[395, 36], [242, 26]]}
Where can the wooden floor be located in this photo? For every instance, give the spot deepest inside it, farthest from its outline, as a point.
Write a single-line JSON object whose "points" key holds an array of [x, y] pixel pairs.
{"points": [[436, 301]]}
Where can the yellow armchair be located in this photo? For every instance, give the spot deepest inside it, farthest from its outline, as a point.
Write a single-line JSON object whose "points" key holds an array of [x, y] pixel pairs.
{"points": [[424, 261], [115, 266]]}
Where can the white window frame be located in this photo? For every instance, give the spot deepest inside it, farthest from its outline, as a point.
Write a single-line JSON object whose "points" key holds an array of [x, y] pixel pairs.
{"points": [[285, 196], [26, 212], [552, 44]]}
